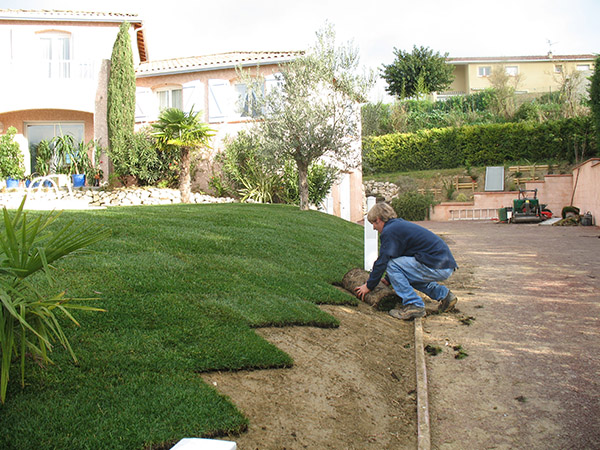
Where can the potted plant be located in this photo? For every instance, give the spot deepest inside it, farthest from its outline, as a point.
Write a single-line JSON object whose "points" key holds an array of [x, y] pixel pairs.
{"points": [[12, 166], [93, 172], [43, 159], [73, 158]]}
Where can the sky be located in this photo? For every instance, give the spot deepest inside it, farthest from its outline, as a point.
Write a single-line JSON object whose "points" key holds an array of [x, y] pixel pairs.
{"points": [[176, 28]]}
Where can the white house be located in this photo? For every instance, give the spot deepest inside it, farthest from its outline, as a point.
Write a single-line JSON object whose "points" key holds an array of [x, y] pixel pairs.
{"points": [[54, 78]]}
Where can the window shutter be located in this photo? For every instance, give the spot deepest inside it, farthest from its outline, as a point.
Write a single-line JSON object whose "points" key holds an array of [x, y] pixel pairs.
{"points": [[218, 100], [193, 96], [146, 106]]}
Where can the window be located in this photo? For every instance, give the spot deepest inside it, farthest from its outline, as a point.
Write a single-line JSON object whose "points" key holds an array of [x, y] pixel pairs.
{"points": [[37, 132], [583, 67], [512, 71], [56, 53], [558, 68], [484, 71], [170, 97], [247, 102]]}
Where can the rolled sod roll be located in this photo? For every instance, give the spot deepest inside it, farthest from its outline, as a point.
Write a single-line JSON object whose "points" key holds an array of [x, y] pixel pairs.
{"points": [[382, 296]]}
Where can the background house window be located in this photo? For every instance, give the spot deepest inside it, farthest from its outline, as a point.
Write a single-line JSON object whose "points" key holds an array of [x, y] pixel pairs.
{"points": [[171, 97], [583, 67], [512, 71], [56, 54], [484, 71], [558, 68]]}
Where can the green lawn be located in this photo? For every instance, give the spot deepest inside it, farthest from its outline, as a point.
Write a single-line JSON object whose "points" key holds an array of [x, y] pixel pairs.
{"points": [[183, 287]]}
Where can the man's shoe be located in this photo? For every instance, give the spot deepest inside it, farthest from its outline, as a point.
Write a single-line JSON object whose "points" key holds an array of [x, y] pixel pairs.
{"points": [[447, 303], [408, 312]]}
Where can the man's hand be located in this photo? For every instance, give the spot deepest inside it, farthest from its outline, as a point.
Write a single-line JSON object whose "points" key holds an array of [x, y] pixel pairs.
{"points": [[361, 291]]}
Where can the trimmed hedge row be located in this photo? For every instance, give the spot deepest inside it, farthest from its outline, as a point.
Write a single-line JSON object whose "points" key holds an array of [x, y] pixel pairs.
{"points": [[480, 145]]}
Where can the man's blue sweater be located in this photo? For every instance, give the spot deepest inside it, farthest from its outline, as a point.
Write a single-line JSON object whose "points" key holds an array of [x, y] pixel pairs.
{"points": [[402, 238]]}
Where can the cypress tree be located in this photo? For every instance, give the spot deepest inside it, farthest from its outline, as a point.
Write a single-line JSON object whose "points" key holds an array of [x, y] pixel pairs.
{"points": [[121, 93], [595, 101]]}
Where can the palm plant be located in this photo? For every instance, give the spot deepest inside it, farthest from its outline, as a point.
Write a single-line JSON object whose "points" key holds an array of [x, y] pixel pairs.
{"points": [[28, 319], [64, 147], [43, 157], [186, 132]]}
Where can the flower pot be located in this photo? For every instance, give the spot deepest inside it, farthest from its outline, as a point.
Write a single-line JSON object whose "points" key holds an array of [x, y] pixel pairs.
{"points": [[11, 183], [78, 179]]}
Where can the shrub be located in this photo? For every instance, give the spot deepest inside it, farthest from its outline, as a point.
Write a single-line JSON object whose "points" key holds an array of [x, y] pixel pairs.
{"points": [[413, 206], [492, 144], [320, 179], [140, 158], [248, 172], [28, 319], [11, 157]]}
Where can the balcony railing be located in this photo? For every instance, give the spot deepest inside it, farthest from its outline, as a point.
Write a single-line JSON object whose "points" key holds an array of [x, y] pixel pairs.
{"points": [[55, 69]]}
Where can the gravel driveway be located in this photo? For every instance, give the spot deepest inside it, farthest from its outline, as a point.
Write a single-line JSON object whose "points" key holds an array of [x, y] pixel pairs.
{"points": [[529, 320]]}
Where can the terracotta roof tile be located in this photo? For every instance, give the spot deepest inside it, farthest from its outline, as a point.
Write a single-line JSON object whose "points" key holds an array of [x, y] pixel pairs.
{"points": [[499, 59], [212, 62], [66, 15]]}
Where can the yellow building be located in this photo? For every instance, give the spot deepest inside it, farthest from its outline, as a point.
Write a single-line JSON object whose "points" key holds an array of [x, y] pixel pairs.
{"points": [[531, 74]]}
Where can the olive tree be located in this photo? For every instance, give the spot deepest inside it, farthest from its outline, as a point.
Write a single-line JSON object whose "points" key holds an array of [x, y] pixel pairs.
{"points": [[314, 110]]}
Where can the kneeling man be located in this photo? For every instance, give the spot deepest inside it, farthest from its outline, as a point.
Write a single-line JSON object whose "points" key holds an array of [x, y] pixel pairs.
{"points": [[414, 258]]}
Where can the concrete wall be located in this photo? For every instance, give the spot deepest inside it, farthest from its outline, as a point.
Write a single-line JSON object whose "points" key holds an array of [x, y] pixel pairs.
{"points": [[556, 191], [586, 187]]}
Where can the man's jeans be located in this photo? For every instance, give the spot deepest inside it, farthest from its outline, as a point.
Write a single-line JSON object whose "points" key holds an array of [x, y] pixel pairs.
{"points": [[406, 273]]}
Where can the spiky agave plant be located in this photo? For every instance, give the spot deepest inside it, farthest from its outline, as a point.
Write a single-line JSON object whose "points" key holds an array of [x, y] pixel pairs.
{"points": [[28, 319]]}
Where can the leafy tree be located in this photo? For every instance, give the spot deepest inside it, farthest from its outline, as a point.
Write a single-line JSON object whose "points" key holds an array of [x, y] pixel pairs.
{"points": [[503, 87], [187, 133], [595, 100], [416, 73], [121, 94], [314, 112], [376, 119]]}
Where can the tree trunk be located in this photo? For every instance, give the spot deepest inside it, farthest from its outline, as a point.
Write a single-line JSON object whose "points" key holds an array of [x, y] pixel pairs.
{"points": [[184, 175], [303, 184], [382, 296]]}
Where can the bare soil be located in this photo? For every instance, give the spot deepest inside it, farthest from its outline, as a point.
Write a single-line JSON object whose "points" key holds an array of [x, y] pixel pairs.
{"points": [[351, 387], [519, 364]]}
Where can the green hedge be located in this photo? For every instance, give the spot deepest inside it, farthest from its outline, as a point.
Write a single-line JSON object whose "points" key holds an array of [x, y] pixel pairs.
{"points": [[481, 145]]}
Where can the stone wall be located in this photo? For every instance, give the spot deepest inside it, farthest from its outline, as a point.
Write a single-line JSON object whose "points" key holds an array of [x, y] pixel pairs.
{"points": [[380, 189], [98, 198]]}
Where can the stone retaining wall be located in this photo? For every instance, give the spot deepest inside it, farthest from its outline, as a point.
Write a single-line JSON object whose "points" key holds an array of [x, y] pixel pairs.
{"points": [[98, 198], [385, 190]]}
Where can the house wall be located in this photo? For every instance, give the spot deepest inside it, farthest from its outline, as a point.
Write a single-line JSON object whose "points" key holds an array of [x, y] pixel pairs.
{"points": [[19, 119], [535, 77], [32, 93], [21, 57], [347, 197], [586, 187]]}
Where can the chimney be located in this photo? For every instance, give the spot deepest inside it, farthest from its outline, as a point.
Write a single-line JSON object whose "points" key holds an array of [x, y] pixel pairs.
{"points": [[550, 55]]}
